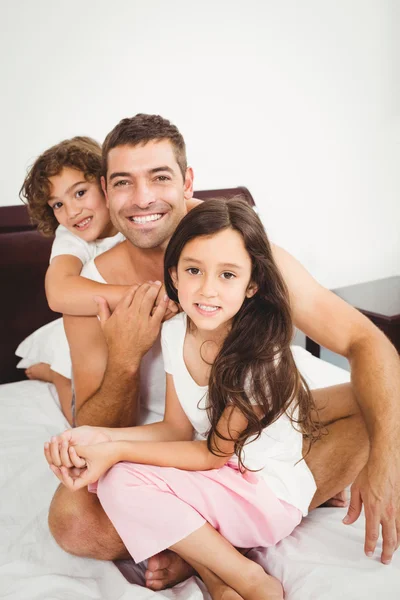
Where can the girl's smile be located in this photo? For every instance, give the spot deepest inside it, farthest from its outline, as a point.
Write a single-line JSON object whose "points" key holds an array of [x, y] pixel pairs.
{"points": [[213, 278]]}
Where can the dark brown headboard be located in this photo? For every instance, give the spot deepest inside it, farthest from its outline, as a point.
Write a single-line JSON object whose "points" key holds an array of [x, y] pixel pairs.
{"points": [[24, 257]]}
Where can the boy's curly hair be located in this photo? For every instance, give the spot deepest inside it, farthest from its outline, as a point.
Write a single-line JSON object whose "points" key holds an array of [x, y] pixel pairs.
{"points": [[80, 153]]}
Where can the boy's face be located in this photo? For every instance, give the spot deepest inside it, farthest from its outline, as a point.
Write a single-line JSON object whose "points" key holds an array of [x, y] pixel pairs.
{"points": [[79, 205]]}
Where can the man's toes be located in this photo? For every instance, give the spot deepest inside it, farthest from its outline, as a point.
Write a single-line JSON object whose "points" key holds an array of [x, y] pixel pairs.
{"points": [[159, 561], [155, 584]]}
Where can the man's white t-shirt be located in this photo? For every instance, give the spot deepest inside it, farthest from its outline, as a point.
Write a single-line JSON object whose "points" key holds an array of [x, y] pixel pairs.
{"points": [[276, 454], [65, 242]]}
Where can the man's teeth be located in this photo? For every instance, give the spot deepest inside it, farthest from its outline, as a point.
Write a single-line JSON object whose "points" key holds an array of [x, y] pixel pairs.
{"points": [[83, 223], [146, 219], [208, 308]]}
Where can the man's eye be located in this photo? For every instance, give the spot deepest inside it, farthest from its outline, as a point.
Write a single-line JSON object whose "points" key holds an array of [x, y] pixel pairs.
{"points": [[162, 178], [193, 271], [57, 205], [227, 275], [121, 183]]}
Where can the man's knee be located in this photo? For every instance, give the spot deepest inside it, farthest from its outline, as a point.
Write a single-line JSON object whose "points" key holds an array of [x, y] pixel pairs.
{"points": [[66, 522], [80, 526]]}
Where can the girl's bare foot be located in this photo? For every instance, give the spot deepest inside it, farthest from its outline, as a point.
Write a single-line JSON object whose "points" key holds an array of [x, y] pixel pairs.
{"points": [[40, 371], [224, 592], [267, 588]]}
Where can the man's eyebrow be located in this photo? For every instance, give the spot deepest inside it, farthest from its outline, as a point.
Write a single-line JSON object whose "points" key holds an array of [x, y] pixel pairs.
{"points": [[164, 168], [188, 259], [151, 171], [119, 174], [67, 191]]}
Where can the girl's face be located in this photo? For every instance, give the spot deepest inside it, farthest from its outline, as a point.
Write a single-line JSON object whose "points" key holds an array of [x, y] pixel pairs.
{"points": [[213, 279], [80, 205]]}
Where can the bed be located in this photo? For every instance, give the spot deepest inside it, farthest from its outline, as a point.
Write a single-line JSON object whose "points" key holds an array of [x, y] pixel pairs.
{"points": [[321, 560]]}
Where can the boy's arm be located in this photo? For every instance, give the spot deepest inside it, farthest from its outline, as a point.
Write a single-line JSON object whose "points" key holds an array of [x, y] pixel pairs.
{"points": [[69, 293]]}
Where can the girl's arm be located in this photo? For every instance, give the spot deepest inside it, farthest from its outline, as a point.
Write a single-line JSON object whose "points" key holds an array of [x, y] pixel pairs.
{"points": [[93, 461], [69, 293], [187, 455], [175, 426]]}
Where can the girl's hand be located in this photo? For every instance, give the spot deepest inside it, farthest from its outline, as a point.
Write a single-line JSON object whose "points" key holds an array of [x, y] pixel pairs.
{"points": [[56, 451], [89, 463]]}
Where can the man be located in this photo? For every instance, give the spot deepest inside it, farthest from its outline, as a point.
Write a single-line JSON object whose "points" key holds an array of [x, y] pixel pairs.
{"points": [[149, 189]]}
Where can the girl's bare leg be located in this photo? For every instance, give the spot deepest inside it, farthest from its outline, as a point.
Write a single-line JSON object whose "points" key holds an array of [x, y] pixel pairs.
{"points": [[43, 372], [217, 588], [205, 547]]}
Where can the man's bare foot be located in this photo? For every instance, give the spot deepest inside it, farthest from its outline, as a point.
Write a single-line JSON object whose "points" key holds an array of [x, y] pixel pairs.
{"points": [[167, 569], [40, 371], [338, 501]]}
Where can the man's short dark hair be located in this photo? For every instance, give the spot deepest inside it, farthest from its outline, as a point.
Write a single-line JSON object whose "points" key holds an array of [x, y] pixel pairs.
{"points": [[141, 129]]}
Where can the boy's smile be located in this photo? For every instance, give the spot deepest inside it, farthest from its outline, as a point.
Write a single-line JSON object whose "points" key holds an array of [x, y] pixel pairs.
{"points": [[79, 205]]}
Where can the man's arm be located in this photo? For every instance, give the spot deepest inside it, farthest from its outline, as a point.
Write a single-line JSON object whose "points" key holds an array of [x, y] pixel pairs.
{"points": [[375, 375], [106, 393], [106, 356], [334, 324]]}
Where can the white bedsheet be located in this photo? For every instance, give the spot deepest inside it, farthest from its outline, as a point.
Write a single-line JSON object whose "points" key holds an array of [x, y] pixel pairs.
{"points": [[322, 560]]}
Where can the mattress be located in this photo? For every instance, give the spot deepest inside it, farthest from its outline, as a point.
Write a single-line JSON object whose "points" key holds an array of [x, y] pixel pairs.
{"points": [[321, 560]]}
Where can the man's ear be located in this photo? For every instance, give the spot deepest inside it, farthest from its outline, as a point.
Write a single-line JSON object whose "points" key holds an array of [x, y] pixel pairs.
{"points": [[104, 188], [252, 289], [174, 276], [188, 184]]}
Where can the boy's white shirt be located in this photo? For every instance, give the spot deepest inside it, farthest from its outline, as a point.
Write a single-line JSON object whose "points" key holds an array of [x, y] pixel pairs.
{"points": [[65, 242]]}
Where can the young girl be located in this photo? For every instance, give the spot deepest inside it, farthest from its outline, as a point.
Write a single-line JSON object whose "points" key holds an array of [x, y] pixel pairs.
{"points": [[64, 197], [225, 468]]}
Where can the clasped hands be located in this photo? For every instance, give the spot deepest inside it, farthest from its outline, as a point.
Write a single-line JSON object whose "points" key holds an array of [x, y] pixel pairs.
{"points": [[79, 457]]}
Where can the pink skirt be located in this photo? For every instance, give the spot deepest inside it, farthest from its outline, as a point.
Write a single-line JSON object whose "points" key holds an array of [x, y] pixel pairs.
{"points": [[153, 508]]}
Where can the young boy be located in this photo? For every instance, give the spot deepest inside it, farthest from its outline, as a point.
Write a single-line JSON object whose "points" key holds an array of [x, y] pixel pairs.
{"points": [[64, 197]]}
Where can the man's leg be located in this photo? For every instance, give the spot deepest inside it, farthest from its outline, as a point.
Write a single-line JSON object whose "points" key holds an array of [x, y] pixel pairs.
{"points": [[81, 527], [337, 458]]}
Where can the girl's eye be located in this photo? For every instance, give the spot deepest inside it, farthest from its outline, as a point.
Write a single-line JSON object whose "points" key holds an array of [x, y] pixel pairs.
{"points": [[57, 205], [80, 193], [227, 275], [193, 271]]}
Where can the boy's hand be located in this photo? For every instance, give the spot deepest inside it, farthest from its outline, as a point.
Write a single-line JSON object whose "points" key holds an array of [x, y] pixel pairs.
{"points": [[89, 464]]}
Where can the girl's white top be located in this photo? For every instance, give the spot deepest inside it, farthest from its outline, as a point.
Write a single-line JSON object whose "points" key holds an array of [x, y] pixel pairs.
{"points": [[65, 242], [276, 454]]}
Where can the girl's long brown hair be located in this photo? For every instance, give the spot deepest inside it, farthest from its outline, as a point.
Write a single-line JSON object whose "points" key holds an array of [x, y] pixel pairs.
{"points": [[255, 363]]}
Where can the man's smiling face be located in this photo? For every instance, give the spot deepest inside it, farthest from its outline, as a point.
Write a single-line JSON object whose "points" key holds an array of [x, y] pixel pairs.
{"points": [[146, 192]]}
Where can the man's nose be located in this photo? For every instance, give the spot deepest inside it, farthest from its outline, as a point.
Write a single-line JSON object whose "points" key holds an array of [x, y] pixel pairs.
{"points": [[143, 195]]}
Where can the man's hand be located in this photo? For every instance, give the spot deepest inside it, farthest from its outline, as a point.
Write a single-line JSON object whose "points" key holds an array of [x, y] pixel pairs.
{"points": [[378, 488], [135, 323], [57, 450]]}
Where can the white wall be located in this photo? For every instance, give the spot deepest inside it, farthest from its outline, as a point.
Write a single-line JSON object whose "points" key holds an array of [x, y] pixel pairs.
{"points": [[299, 101]]}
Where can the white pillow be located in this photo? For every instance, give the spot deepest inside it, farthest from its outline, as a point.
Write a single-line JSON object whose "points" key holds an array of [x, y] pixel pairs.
{"points": [[48, 344]]}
